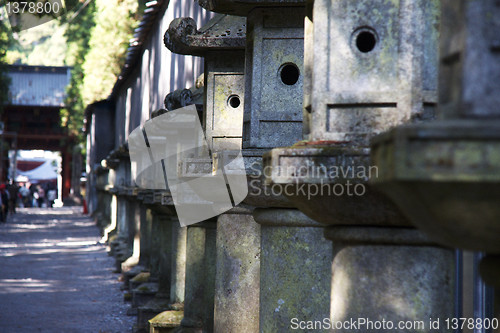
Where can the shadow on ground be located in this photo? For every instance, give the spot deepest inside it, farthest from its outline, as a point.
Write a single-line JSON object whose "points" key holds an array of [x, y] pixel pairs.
{"points": [[56, 277]]}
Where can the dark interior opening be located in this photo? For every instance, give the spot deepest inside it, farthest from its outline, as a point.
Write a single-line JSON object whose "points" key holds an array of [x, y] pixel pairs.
{"points": [[366, 41], [289, 74], [234, 101]]}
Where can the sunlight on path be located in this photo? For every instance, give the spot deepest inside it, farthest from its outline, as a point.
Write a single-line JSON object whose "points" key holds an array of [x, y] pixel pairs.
{"points": [[55, 276]]}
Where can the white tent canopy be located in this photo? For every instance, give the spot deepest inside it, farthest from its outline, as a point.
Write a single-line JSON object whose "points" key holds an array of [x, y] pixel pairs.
{"points": [[43, 172]]}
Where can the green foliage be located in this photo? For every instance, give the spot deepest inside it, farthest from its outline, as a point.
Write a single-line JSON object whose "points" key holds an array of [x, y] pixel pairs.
{"points": [[115, 22], [97, 43], [78, 34], [43, 45]]}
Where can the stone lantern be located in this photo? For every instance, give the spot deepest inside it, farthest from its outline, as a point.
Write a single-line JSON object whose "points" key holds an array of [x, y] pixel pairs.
{"points": [[370, 66], [286, 238], [444, 175], [221, 42]]}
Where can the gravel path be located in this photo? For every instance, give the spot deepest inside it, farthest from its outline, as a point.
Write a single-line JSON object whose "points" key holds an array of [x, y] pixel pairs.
{"points": [[55, 277]]}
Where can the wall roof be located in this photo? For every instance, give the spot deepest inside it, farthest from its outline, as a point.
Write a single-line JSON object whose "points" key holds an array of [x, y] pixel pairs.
{"points": [[38, 85]]}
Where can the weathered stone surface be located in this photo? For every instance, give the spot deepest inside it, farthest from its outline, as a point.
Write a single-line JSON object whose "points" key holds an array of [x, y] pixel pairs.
{"points": [[162, 243], [148, 311], [257, 195], [146, 238], [490, 272], [377, 68], [374, 66], [178, 270], [392, 282], [221, 42], [470, 67], [225, 91], [181, 98], [329, 184], [166, 319], [295, 265], [168, 262], [224, 87], [237, 274], [200, 277], [103, 210], [274, 71], [144, 293], [139, 279]]}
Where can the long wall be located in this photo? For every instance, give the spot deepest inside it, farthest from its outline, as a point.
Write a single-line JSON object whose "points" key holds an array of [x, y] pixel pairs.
{"points": [[158, 72]]}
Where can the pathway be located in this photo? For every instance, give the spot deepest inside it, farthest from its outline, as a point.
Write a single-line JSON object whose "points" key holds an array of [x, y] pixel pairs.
{"points": [[56, 277]]}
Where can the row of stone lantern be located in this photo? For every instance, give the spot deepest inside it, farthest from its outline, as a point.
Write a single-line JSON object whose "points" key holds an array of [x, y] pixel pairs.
{"points": [[329, 226]]}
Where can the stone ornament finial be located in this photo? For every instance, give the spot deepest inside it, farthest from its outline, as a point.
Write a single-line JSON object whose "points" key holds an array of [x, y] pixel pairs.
{"points": [[178, 33], [178, 99]]}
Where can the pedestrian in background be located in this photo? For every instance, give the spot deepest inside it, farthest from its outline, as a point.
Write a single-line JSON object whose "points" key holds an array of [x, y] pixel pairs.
{"points": [[34, 195], [51, 195], [4, 195], [13, 191], [41, 197], [25, 196]]}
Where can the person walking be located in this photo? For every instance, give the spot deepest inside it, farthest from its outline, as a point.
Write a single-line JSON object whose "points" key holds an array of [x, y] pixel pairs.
{"points": [[25, 196], [51, 195], [34, 195], [41, 197], [12, 190], [4, 195]]}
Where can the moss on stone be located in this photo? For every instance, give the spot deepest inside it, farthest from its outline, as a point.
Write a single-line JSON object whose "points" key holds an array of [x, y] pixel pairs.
{"points": [[143, 288], [167, 319], [141, 277]]}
